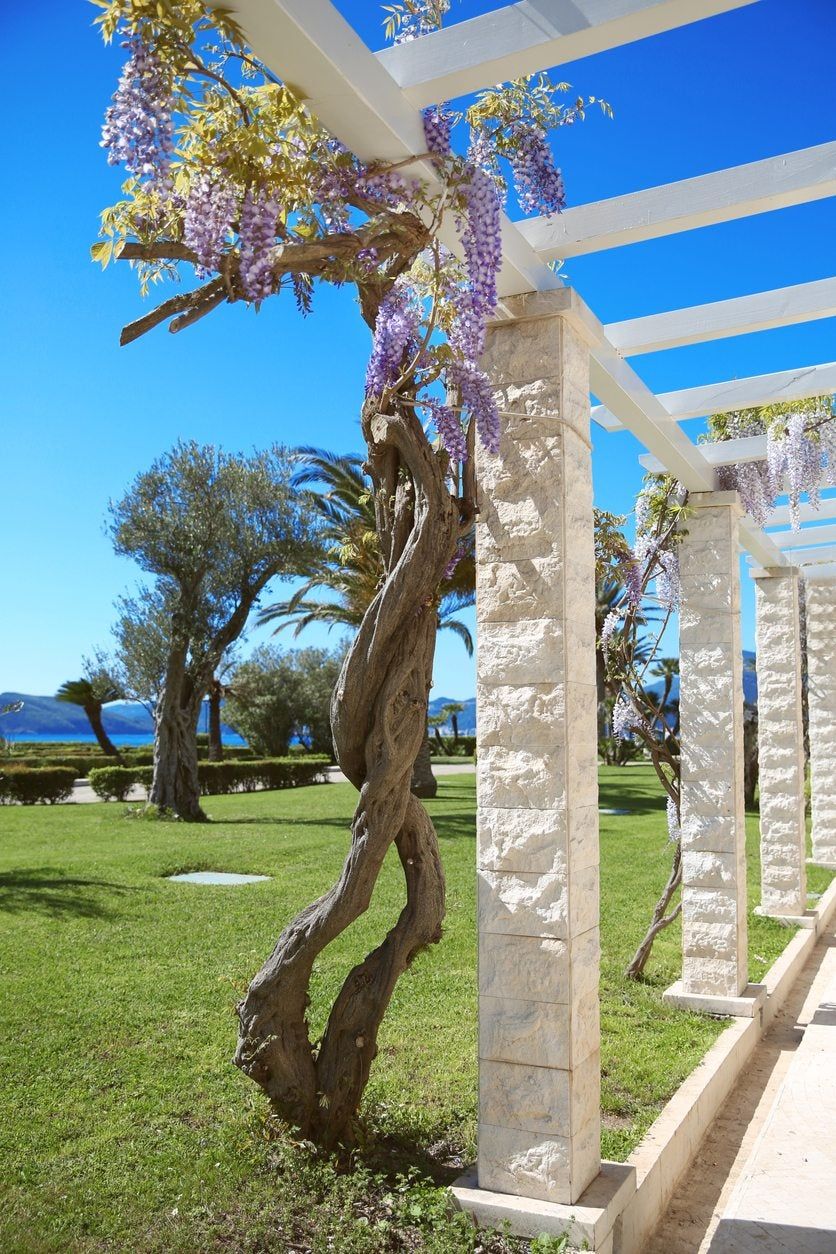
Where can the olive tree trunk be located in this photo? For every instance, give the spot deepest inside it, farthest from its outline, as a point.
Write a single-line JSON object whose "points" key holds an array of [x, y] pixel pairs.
{"points": [[424, 783], [216, 748], [175, 785], [379, 718]]}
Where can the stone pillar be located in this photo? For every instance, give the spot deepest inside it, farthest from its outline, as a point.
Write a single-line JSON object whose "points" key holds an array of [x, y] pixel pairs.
{"points": [[821, 700], [780, 743], [539, 1061], [714, 930]]}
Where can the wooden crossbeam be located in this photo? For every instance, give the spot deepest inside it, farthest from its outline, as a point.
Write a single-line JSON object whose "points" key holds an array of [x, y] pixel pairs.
{"points": [[533, 35], [749, 448], [759, 186], [804, 539], [782, 307], [761, 389], [780, 515], [812, 557]]}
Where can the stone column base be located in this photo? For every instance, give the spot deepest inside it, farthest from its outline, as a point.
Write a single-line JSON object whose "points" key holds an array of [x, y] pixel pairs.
{"points": [[808, 919], [746, 1006], [589, 1223]]}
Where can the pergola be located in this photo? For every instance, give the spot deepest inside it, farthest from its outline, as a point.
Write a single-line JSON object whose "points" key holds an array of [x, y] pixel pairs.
{"points": [[539, 1094]]}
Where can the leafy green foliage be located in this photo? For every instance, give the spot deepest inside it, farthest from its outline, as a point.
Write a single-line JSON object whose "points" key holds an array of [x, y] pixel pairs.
{"points": [[114, 783], [34, 786], [273, 695]]}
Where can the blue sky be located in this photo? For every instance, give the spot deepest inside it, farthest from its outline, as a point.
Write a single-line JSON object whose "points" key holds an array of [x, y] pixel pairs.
{"points": [[80, 416]]}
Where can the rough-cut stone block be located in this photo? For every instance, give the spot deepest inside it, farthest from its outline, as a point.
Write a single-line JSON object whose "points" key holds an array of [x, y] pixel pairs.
{"points": [[536, 968], [522, 904], [521, 653], [522, 839], [821, 665], [515, 591], [711, 714], [536, 738], [515, 778]]}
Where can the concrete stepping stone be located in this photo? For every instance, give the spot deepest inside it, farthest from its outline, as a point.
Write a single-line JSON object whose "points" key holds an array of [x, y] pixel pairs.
{"points": [[216, 877]]}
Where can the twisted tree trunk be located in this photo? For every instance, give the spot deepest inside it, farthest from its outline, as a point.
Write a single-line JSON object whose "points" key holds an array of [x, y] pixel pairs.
{"points": [[378, 715], [94, 718], [216, 748], [424, 783]]}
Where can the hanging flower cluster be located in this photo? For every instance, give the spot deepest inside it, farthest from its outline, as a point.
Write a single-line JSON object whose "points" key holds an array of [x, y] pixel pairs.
{"points": [[254, 176], [138, 130], [207, 220], [800, 455]]}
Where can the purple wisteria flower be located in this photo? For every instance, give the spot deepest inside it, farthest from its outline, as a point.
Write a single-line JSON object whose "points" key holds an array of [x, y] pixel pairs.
{"points": [[257, 235], [674, 831], [438, 124], [610, 624], [450, 431], [395, 329], [668, 583], [210, 207], [625, 718], [138, 130], [481, 240], [538, 181]]}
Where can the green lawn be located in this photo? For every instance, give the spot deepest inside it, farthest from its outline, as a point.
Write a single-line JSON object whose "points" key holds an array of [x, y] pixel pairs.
{"points": [[125, 1126]]}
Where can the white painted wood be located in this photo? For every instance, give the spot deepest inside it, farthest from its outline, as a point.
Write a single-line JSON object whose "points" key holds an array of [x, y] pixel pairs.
{"points": [[803, 539], [533, 35], [823, 573], [313, 48], [316, 52], [790, 179], [784, 306], [812, 557], [780, 516], [761, 389], [750, 448]]}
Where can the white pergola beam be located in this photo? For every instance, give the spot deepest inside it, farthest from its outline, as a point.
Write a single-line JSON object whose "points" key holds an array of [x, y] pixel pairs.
{"points": [[780, 515], [782, 307], [775, 183], [533, 35], [312, 48], [720, 398], [812, 557], [804, 539], [749, 448]]}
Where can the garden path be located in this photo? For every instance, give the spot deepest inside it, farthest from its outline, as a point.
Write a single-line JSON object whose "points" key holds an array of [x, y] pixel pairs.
{"points": [[691, 1220]]}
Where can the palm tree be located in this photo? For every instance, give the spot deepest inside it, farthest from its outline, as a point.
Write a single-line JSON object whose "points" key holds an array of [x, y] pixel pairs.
{"points": [[343, 581], [92, 693]]}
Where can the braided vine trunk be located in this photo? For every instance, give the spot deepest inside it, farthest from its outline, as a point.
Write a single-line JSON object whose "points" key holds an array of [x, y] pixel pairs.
{"points": [[378, 719]]}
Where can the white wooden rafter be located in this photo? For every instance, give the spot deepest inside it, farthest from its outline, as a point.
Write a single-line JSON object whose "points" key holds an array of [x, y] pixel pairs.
{"points": [[805, 538], [762, 311], [523, 38], [812, 556], [731, 394], [793, 178], [312, 48], [781, 516]]}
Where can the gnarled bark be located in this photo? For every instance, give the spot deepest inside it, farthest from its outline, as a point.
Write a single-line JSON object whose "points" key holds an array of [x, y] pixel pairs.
{"points": [[424, 783], [216, 748], [378, 715], [175, 785]]}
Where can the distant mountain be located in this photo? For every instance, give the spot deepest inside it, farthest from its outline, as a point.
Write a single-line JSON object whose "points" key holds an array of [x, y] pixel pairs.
{"points": [[467, 718], [44, 716]]}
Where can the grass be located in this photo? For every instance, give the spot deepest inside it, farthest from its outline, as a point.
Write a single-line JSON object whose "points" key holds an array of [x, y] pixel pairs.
{"points": [[125, 1125]]}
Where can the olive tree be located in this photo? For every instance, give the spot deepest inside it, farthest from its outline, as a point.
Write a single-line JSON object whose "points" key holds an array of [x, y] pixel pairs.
{"points": [[234, 181], [212, 529]]}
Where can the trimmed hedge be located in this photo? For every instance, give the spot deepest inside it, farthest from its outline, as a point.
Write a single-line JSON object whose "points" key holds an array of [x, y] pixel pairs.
{"points": [[216, 778], [31, 786]]}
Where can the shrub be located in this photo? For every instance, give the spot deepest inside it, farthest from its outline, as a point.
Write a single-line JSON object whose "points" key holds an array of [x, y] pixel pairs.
{"points": [[80, 762], [36, 785], [112, 783]]}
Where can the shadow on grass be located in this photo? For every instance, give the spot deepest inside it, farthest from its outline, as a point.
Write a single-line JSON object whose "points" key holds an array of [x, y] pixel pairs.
{"points": [[45, 891], [256, 820], [631, 794]]}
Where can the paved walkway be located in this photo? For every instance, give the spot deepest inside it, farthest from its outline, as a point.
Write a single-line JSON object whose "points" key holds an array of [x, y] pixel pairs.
{"points": [[82, 792], [759, 1149]]}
